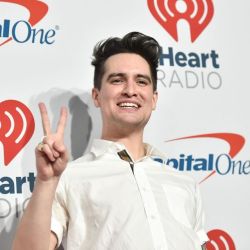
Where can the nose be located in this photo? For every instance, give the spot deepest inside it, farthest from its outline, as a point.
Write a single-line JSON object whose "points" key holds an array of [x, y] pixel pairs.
{"points": [[130, 88]]}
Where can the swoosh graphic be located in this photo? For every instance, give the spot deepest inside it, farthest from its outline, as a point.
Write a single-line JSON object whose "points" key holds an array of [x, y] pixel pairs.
{"points": [[36, 9], [235, 141]]}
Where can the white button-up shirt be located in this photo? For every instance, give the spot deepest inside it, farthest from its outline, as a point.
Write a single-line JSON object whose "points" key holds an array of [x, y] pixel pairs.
{"points": [[101, 203]]}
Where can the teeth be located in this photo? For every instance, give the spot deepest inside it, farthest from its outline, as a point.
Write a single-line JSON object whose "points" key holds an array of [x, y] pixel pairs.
{"points": [[128, 105]]}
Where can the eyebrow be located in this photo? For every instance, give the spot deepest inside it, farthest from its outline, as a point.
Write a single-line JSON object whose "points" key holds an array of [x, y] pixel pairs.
{"points": [[124, 75]]}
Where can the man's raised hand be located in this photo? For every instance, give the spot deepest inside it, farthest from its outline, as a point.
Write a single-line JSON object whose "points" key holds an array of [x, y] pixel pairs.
{"points": [[51, 153]]}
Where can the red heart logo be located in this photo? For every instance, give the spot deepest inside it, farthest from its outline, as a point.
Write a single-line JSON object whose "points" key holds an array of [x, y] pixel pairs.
{"points": [[36, 9], [220, 240], [16, 128], [198, 14]]}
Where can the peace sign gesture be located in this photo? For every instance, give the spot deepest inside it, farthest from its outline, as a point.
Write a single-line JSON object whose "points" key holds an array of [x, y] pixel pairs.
{"points": [[51, 153]]}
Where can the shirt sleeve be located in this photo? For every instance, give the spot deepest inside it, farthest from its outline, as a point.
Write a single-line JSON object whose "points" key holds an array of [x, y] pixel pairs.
{"points": [[200, 218], [59, 218]]}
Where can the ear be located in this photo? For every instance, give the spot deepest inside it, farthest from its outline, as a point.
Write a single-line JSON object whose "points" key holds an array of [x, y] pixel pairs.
{"points": [[154, 100], [95, 97]]}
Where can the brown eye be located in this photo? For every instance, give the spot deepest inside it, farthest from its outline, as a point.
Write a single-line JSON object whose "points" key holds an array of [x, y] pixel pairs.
{"points": [[117, 81], [142, 82]]}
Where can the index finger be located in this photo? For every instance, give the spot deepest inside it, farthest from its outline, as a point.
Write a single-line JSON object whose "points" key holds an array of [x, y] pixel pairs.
{"points": [[45, 118], [62, 121]]}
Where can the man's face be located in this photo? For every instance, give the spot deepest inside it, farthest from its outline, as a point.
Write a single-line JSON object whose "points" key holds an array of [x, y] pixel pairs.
{"points": [[126, 97]]}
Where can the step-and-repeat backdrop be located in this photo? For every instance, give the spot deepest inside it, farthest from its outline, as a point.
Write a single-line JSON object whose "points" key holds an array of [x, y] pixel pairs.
{"points": [[202, 121]]}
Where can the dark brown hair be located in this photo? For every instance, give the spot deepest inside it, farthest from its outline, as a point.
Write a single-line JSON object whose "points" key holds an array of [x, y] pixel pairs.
{"points": [[134, 42]]}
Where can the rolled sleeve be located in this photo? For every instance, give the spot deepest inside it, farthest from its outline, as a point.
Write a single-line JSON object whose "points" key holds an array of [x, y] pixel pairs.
{"points": [[200, 218], [57, 229], [59, 219]]}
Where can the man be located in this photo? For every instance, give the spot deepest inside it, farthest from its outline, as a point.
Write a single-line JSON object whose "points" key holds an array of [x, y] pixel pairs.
{"points": [[116, 196]]}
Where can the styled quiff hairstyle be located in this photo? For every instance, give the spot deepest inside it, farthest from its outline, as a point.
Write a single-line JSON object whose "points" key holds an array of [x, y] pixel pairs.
{"points": [[134, 42]]}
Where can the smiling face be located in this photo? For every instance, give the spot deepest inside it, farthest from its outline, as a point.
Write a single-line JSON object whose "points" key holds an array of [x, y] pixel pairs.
{"points": [[126, 97]]}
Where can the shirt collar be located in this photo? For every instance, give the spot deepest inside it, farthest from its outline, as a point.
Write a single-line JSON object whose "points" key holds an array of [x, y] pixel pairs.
{"points": [[100, 147]]}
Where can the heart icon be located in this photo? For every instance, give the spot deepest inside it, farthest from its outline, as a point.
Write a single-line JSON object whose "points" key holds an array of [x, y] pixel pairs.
{"points": [[36, 9], [198, 13], [16, 128], [219, 239]]}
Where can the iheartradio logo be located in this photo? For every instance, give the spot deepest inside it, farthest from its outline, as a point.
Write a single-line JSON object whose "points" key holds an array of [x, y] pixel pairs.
{"points": [[198, 13], [16, 128], [220, 240]]}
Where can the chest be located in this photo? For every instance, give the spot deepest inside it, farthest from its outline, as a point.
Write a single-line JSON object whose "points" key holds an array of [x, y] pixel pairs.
{"points": [[118, 192]]}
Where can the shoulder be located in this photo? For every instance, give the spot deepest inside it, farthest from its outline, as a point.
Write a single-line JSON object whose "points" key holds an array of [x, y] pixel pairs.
{"points": [[169, 176], [159, 161]]}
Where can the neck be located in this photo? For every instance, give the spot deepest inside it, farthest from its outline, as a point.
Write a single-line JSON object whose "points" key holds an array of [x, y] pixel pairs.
{"points": [[132, 141]]}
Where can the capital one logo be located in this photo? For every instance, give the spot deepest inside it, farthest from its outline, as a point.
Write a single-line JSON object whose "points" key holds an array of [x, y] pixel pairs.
{"points": [[198, 13], [220, 240], [222, 163], [235, 142], [23, 31], [16, 128]]}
